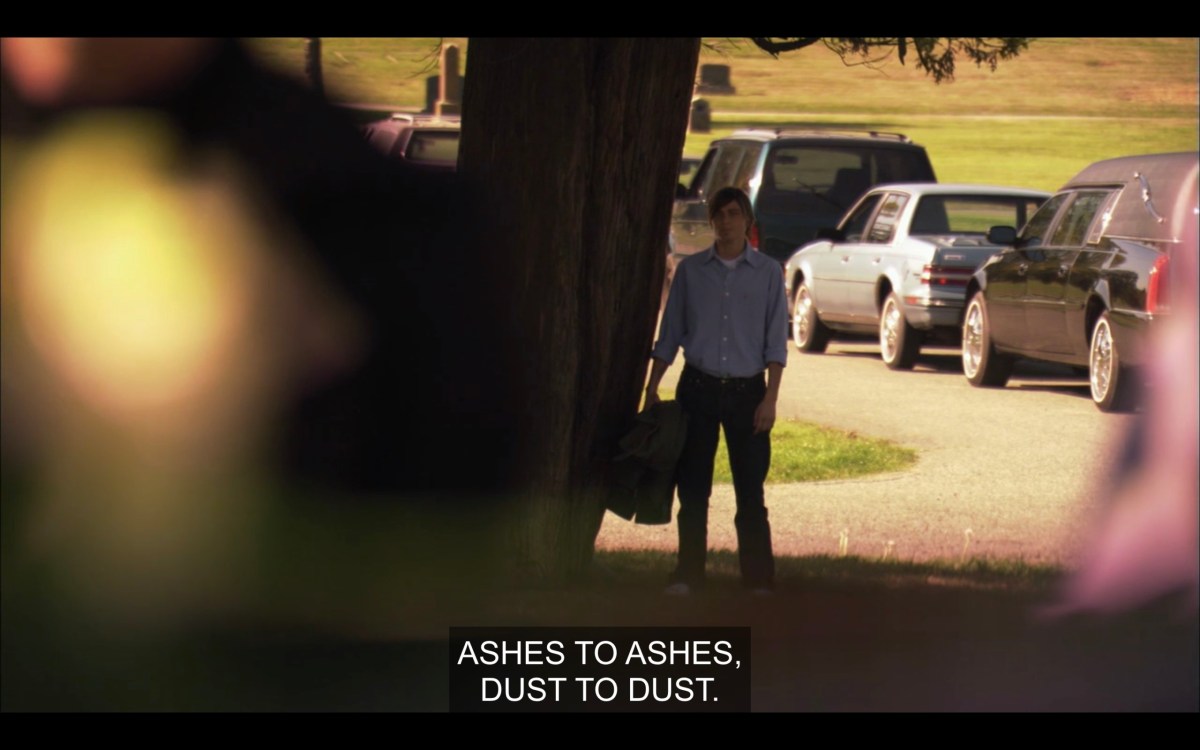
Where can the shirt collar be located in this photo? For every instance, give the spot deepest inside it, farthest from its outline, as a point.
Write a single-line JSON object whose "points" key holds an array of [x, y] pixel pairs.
{"points": [[749, 255]]}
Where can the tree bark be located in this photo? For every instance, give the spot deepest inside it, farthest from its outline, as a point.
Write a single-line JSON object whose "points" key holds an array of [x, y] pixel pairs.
{"points": [[575, 146]]}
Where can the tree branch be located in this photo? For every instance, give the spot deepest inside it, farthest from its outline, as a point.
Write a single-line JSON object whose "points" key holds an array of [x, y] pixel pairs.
{"points": [[935, 55], [774, 45]]}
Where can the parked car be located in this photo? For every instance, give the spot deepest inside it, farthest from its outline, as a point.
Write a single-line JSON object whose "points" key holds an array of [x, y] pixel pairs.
{"points": [[798, 181], [421, 141], [1086, 277], [897, 265], [687, 170]]}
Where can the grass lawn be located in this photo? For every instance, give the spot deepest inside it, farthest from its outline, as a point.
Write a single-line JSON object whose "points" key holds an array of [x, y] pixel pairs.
{"points": [[807, 452]]}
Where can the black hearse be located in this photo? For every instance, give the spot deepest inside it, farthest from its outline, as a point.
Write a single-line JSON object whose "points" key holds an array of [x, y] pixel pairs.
{"points": [[1086, 277]]}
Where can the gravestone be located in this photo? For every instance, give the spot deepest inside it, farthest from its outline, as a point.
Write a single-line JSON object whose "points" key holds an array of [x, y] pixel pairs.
{"points": [[450, 89], [432, 87], [700, 120], [715, 79]]}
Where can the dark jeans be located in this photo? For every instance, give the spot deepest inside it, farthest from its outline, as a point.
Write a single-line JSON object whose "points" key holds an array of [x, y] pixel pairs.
{"points": [[711, 404]]}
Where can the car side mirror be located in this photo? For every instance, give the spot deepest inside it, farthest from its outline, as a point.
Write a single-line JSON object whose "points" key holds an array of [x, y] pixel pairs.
{"points": [[831, 233], [1002, 236]]}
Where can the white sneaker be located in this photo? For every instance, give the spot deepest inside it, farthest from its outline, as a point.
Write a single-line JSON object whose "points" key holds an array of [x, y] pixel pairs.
{"points": [[678, 589]]}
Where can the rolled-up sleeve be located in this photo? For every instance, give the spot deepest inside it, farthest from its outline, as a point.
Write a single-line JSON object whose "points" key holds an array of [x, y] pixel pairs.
{"points": [[776, 337], [674, 320]]}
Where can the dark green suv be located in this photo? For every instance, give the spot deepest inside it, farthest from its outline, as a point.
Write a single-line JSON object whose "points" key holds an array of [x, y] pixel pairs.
{"points": [[422, 142], [798, 181]]}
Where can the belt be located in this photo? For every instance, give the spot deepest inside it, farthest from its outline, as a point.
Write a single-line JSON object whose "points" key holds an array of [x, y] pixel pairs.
{"points": [[721, 380]]}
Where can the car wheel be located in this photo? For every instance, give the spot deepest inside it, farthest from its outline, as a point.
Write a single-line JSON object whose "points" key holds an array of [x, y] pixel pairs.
{"points": [[1112, 385], [899, 342], [981, 364], [808, 332]]}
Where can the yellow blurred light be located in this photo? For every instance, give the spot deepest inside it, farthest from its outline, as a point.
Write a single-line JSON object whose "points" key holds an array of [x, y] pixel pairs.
{"points": [[130, 282]]}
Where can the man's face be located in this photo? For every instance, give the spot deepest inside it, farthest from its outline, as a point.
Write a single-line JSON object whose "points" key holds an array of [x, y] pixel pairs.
{"points": [[731, 223]]}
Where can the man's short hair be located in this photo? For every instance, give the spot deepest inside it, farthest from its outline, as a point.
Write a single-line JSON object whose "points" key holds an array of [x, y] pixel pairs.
{"points": [[727, 195]]}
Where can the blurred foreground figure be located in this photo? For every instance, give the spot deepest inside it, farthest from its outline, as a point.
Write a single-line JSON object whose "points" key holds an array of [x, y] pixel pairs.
{"points": [[235, 381], [1146, 543]]}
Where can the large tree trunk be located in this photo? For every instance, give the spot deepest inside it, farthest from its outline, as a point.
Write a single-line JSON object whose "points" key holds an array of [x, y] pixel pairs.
{"points": [[575, 145]]}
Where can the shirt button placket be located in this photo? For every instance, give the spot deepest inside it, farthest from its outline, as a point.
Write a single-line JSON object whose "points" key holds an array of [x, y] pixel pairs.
{"points": [[725, 332]]}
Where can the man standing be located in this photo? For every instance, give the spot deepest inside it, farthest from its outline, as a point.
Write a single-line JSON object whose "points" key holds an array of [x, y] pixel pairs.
{"points": [[726, 309]]}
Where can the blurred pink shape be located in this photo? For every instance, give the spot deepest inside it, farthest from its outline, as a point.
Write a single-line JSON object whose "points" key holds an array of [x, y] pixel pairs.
{"points": [[1147, 543]]}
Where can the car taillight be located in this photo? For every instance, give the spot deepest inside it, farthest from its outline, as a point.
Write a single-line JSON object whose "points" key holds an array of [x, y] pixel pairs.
{"points": [[1156, 286], [945, 275], [754, 236]]}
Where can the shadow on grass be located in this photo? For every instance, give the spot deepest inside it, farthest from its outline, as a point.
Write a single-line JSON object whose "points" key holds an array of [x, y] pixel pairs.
{"points": [[849, 634], [636, 569], [840, 634]]}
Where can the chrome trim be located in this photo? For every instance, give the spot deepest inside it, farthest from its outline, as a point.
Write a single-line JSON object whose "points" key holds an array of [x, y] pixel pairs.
{"points": [[1133, 238], [924, 302], [1147, 199]]}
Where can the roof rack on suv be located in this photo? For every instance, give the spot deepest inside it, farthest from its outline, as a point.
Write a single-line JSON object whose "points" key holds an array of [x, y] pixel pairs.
{"points": [[424, 119], [828, 132]]}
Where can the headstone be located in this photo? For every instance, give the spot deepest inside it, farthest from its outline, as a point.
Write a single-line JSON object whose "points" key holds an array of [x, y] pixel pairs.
{"points": [[700, 120], [450, 91], [432, 87], [715, 79]]}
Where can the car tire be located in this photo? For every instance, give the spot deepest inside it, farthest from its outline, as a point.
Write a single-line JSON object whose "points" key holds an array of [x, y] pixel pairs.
{"points": [[808, 332], [899, 342], [1113, 385], [982, 365]]}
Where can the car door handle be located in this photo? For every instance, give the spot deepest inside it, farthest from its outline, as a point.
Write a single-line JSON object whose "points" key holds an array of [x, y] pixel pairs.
{"points": [[876, 261], [845, 258], [1022, 268]]}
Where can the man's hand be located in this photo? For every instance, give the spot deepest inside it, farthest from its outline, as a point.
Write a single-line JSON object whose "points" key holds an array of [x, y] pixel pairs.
{"points": [[657, 368], [764, 416]]}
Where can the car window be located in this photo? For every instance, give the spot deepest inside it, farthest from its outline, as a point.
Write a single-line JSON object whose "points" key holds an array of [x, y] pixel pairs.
{"points": [[687, 170], [382, 135], [1072, 229], [811, 169], [823, 181], [433, 147], [853, 227], [817, 182], [1106, 212], [726, 167], [969, 214], [1035, 230], [749, 165], [899, 165], [884, 228], [703, 174]]}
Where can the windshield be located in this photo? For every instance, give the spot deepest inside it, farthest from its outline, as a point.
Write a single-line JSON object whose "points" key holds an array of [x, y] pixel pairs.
{"points": [[824, 181], [970, 214], [433, 147]]}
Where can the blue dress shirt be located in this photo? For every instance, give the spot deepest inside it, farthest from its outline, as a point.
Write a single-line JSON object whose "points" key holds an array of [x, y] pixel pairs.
{"points": [[731, 322]]}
